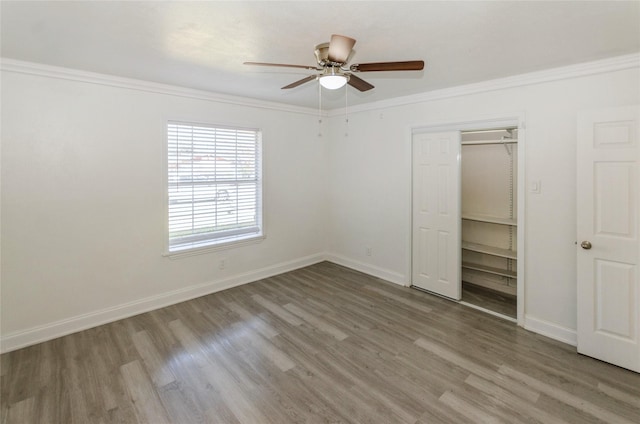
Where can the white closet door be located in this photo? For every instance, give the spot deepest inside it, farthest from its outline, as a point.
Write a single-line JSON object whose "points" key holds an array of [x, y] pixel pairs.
{"points": [[608, 186], [436, 213]]}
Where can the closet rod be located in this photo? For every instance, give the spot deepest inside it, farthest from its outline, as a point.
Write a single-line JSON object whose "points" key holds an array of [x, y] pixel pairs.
{"points": [[490, 131], [510, 141]]}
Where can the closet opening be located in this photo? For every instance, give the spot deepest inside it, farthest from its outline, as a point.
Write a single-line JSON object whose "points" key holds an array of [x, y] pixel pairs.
{"points": [[489, 170]]}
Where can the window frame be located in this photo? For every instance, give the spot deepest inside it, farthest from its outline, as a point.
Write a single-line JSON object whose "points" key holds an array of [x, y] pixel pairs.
{"points": [[221, 243]]}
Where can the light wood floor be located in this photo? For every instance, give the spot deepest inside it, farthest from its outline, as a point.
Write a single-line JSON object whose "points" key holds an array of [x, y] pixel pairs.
{"points": [[323, 344]]}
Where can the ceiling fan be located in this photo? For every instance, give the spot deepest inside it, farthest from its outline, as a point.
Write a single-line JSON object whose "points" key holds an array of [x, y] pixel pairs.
{"points": [[332, 61]]}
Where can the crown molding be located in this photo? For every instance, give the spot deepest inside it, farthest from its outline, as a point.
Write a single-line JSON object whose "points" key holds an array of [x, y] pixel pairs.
{"points": [[31, 68], [617, 63]]}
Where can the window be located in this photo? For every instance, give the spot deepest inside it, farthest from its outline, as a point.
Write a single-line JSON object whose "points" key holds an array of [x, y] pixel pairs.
{"points": [[214, 185]]}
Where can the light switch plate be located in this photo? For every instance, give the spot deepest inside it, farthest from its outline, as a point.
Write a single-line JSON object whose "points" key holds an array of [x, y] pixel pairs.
{"points": [[535, 187]]}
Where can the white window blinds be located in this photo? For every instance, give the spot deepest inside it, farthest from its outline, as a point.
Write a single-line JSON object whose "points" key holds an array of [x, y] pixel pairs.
{"points": [[214, 185]]}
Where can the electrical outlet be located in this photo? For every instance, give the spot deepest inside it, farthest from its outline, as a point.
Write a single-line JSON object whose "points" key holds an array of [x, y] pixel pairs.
{"points": [[368, 251], [222, 264]]}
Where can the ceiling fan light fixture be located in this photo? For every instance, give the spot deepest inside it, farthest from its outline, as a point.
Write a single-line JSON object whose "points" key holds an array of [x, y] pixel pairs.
{"points": [[333, 65], [332, 80]]}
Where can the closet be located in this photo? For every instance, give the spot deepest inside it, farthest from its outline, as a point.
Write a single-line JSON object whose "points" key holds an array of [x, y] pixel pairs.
{"points": [[466, 244], [488, 205]]}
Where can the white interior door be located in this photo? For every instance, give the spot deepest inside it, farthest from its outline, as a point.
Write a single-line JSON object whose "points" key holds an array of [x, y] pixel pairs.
{"points": [[608, 244], [436, 213]]}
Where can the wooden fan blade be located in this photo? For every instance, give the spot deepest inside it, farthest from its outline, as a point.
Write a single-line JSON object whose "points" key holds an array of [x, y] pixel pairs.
{"points": [[359, 83], [300, 82], [412, 65], [281, 65], [340, 48]]}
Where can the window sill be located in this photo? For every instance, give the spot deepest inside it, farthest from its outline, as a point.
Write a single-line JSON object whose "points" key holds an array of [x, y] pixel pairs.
{"points": [[199, 249]]}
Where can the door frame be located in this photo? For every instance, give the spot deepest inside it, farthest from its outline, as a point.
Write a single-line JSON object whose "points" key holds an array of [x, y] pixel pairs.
{"points": [[508, 120]]}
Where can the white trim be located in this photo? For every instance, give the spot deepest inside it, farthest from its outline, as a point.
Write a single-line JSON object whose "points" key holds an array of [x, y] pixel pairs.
{"points": [[38, 334], [30, 68], [385, 274], [551, 330], [521, 218], [617, 63], [42, 333], [471, 123], [227, 245]]}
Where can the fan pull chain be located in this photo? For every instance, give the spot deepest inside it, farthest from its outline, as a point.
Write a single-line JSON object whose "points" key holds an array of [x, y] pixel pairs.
{"points": [[319, 109], [346, 110]]}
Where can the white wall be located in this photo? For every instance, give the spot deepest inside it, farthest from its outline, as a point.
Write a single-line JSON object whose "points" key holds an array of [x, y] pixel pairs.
{"points": [[82, 196], [370, 181], [83, 203]]}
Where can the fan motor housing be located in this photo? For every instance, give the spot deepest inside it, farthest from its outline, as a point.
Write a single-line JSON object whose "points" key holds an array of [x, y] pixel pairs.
{"points": [[322, 53]]}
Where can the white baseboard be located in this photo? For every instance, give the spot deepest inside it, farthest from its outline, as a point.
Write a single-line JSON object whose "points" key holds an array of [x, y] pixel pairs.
{"points": [[20, 339], [551, 330], [536, 325], [383, 273], [31, 336]]}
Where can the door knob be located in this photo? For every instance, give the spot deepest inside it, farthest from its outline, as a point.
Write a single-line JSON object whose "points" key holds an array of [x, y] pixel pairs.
{"points": [[586, 245]]}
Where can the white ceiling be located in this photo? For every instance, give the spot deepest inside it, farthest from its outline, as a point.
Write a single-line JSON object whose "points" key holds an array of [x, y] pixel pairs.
{"points": [[202, 45]]}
